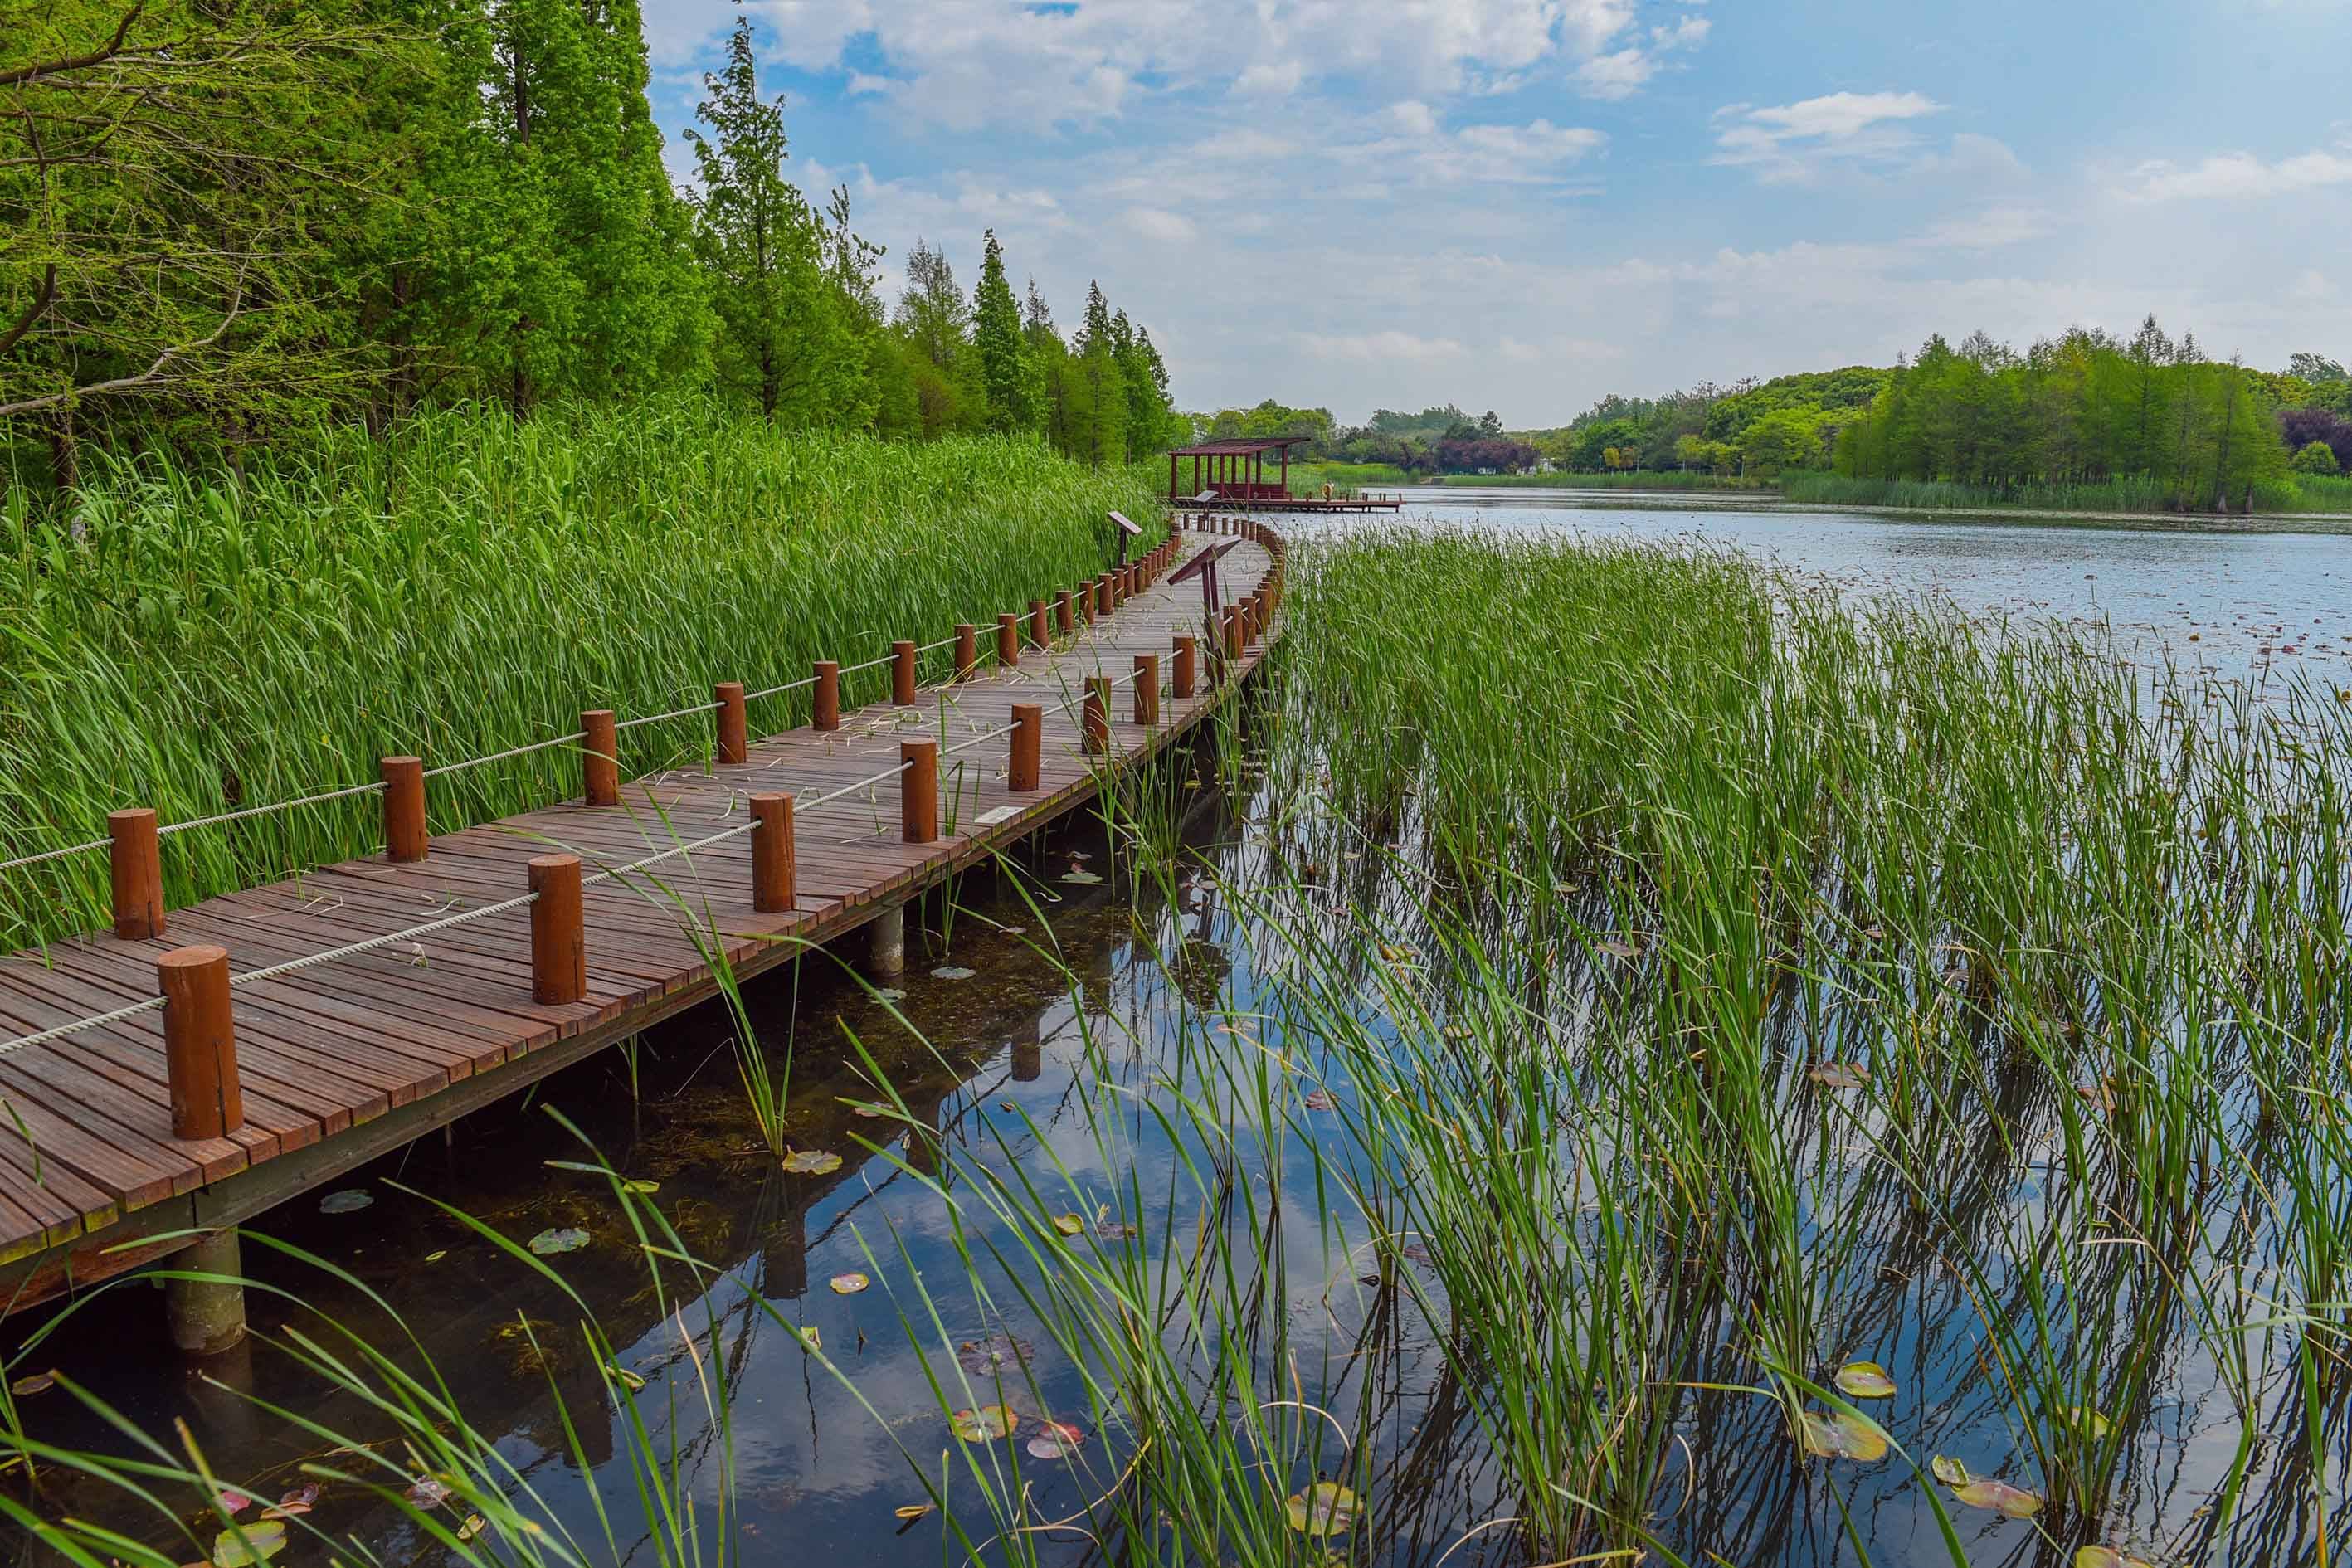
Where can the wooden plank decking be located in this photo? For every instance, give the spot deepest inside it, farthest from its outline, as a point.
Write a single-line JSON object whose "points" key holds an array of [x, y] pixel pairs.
{"points": [[343, 1061]]}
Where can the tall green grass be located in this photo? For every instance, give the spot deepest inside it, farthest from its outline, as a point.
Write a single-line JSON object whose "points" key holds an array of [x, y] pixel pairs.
{"points": [[469, 584]]}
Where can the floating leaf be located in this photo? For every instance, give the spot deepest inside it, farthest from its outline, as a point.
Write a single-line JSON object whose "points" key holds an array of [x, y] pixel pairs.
{"points": [[547, 1242], [988, 1424], [232, 1502], [1842, 1437], [868, 1108], [641, 1185], [303, 1495], [2014, 1503], [953, 972], [913, 1510], [428, 1491], [2086, 1423], [1456, 1031], [1839, 1075], [2108, 1557], [350, 1200], [475, 1524], [1619, 949], [812, 1163], [1116, 1230], [1327, 1507], [1950, 1471], [285, 1510], [1865, 1379], [1056, 1440], [890, 993], [436, 1257], [1080, 876], [33, 1383], [631, 1381], [992, 1353], [248, 1544], [848, 1284], [1069, 1224]]}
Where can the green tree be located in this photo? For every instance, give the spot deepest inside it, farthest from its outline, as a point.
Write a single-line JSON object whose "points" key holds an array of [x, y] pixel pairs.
{"points": [[2315, 457], [1096, 388], [935, 324], [786, 337], [1008, 378]]}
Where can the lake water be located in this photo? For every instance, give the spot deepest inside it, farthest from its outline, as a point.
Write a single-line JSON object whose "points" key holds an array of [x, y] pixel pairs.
{"points": [[1042, 1036]]}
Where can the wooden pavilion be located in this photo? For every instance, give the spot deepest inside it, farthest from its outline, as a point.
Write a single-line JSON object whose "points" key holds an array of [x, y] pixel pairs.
{"points": [[1236, 470]]}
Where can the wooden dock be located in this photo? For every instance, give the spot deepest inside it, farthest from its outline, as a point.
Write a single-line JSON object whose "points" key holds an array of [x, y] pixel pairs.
{"points": [[338, 1062]]}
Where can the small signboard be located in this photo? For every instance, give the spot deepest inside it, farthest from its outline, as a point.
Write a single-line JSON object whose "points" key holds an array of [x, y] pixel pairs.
{"points": [[1200, 563], [1133, 530]]}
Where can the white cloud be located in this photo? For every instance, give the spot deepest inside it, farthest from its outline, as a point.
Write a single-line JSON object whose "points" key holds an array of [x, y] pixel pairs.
{"points": [[2237, 175], [1384, 347], [1615, 76], [1792, 142], [1413, 117], [1161, 226], [1987, 228], [1270, 80]]}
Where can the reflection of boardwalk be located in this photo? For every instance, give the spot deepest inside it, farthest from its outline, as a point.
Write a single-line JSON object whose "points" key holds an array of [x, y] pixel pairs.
{"points": [[340, 1062]]}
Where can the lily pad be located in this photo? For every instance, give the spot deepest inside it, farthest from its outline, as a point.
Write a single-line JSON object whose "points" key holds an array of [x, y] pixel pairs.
{"points": [[248, 1544], [232, 1502], [848, 1284], [812, 1163], [994, 1353], [989, 1424], [1950, 1471], [1056, 1440], [1842, 1437], [33, 1383], [350, 1200], [1839, 1075], [2108, 1557], [547, 1242], [953, 972], [2014, 1503], [1079, 877], [303, 1496], [1865, 1379], [641, 1185], [870, 1110], [912, 1511], [1327, 1507], [1069, 1224]]}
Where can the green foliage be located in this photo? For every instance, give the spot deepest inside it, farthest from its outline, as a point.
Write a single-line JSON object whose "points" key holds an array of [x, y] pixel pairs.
{"points": [[2315, 457], [1008, 376], [469, 584]]}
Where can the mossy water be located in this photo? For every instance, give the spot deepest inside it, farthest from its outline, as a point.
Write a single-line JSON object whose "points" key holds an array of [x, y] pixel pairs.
{"points": [[1488, 1140]]}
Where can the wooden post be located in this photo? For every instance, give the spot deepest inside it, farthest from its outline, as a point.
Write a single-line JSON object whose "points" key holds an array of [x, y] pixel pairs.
{"points": [[199, 1042], [404, 809], [1233, 644], [734, 723], [1021, 773], [1038, 637], [919, 791], [902, 673], [1098, 715], [1147, 688], [1102, 604], [1008, 642], [559, 942], [825, 707], [966, 649], [135, 859], [773, 868], [1188, 666], [600, 758], [1064, 621]]}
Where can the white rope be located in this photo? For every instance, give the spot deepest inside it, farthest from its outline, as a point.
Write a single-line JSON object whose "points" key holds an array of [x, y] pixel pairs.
{"points": [[852, 789], [787, 686], [869, 663], [977, 739], [673, 713], [79, 1024], [331, 955], [172, 827], [54, 854], [736, 831], [502, 756]]}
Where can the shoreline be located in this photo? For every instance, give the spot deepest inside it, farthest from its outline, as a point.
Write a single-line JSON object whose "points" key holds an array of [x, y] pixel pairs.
{"points": [[2317, 522]]}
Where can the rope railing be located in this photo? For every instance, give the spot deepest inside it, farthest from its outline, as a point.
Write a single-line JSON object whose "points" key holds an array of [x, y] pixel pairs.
{"points": [[917, 770]]}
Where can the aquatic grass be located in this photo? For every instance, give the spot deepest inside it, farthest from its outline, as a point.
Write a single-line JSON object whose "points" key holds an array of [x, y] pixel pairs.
{"points": [[198, 644]]}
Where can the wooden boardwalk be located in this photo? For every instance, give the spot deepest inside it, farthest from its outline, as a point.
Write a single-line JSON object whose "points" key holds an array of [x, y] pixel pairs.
{"points": [[343, 1061]]}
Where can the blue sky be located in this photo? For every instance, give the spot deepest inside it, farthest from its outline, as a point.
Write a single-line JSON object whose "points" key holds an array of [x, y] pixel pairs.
{"points": [[1522, 205]]}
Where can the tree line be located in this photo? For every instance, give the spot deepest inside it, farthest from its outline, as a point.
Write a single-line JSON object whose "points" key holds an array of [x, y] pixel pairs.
{"points": [[227, 220]]}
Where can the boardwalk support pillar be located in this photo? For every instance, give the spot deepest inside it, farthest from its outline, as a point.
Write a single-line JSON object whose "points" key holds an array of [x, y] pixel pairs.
{"points": [[558, 944], [919, 791], [886, 940], [137, 863], [207, 1316], [404, 841]]}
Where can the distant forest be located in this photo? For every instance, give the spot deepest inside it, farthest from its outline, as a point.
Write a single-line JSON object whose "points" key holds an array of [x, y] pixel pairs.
{"points": [[2083, 408], [227, 222]]}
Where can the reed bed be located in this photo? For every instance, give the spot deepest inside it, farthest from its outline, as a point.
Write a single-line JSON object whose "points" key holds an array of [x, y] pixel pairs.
{"points": [[2142, 494], [199, 645]]}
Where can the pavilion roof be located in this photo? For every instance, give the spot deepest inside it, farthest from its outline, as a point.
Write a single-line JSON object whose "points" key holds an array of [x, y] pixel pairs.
{"points": [[1239, 447]]}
